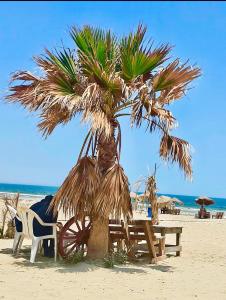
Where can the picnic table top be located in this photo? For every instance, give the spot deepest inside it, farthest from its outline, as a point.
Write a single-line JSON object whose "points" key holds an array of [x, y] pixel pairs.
{"points": [[167, 228]]}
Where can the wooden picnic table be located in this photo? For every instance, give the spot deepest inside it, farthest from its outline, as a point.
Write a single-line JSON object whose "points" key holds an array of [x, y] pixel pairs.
{"points": [[177, 230]]}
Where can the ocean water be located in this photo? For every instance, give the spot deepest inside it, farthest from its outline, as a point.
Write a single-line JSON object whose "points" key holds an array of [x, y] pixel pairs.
{"points": [[39, 191], [28, 189]]}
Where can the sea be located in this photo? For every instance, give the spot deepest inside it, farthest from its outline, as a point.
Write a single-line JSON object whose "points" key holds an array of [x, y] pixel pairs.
{"points": [[39, 191]]}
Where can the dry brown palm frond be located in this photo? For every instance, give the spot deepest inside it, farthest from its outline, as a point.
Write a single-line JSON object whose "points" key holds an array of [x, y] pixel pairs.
{"points": [[92, 97], [137, 113], [175, 149], [77, 194], [53, 117], [98, 121], [114, 196], [175, 75], [164, 117], [24, 76], [27, 94], [151, 191], [169, 95]]}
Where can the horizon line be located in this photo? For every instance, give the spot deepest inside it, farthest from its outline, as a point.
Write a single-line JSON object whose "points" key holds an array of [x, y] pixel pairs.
{"points": [[55, 186]]}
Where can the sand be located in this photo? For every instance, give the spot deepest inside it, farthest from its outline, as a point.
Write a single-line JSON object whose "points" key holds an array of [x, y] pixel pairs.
{"points": [[200, 273]]}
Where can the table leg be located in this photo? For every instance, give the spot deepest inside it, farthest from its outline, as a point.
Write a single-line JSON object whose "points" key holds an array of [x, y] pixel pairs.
{"points": [[178, 239], [163, 232]]}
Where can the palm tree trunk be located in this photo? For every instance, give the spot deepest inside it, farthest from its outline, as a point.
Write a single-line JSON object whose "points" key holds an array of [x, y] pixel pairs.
{"points": [[99, 235]]}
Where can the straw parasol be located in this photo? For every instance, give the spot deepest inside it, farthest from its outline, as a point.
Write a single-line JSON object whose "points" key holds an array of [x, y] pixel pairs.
{"points": [[177, 201], [166, 200], [203, 200], [143, 196]]}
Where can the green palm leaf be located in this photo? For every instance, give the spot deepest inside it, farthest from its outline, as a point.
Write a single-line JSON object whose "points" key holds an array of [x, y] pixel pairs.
{"points": [[138, 59]]}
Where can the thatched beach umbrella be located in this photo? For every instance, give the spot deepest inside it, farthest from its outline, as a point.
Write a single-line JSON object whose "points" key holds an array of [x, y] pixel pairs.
{"points": [[203, 200], [166, 200], [143, 196], [177, 201]]}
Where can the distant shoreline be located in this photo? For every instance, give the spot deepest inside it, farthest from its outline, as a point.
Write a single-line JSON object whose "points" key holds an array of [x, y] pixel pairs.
{"points": [[185, 209], [23, 186]]}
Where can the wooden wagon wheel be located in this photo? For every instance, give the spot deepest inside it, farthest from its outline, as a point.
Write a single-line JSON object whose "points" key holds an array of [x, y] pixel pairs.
{"points": [[74, 237]]}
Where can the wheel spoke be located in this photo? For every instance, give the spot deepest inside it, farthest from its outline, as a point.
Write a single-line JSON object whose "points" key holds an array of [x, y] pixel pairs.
{"points": [[83, 223], [69, 237], [89, 225], [77, 223], [71, 230], [72, 248], [68, 244]]}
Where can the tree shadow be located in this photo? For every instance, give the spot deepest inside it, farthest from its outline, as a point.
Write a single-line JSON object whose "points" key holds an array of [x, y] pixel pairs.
{"points": [[134, 267], [6, 251], [25, 252], [143, 269]]}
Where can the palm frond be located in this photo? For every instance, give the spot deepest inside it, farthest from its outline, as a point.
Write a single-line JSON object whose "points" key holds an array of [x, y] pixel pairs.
{"points": [[98, 52], [174, 149], [50, 118], [98, 122], [163, 117], [77, 194], [175, 75], [26, 94], [65, 61], [114, 196], [56, 95], [138, 59]]}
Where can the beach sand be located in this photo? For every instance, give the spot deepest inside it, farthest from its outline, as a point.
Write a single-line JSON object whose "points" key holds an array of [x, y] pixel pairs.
{"points": [[200, 273]]}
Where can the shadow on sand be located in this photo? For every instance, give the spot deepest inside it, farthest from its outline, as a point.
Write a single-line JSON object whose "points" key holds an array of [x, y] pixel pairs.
{"points": [[22, 260]]}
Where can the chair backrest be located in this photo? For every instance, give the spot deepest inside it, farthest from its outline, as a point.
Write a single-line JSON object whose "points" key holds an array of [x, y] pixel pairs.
{"points": [[22, 213], [31, 215], [27, 216]]}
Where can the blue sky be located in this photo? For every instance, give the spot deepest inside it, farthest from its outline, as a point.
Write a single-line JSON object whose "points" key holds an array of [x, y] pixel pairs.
{"points": [[198, 31]]}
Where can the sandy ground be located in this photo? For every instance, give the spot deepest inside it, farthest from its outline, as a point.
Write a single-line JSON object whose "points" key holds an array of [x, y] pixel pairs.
{"points": [[200, 273]]}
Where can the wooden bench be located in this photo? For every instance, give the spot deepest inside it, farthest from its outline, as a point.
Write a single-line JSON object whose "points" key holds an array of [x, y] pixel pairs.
{"points": [[177, 230], [142, 240]]}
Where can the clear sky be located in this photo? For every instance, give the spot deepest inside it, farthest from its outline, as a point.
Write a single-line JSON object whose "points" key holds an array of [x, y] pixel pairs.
{"points": [[198, 31]]}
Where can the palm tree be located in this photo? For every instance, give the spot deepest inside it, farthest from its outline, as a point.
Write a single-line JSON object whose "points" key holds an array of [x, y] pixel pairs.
{"points": [[102, 80], [151, 191]]}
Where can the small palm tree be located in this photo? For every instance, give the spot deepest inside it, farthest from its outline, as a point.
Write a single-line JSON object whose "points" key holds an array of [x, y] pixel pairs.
{"points": [[104, 79], [151, 192]]}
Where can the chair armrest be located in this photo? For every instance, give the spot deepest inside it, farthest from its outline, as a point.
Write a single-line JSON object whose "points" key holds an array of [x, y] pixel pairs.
{"points": [[49, 224]]}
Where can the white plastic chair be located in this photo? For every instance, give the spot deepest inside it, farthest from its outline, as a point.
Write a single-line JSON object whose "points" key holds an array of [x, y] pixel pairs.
{"points": [[27, 216], [18, 234]]}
